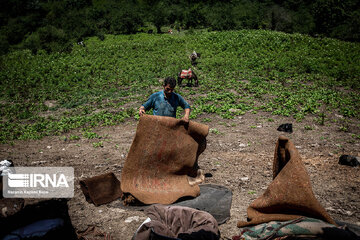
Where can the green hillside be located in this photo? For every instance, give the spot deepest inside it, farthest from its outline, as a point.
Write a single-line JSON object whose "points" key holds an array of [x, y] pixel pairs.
{"points": [[105, 82]]}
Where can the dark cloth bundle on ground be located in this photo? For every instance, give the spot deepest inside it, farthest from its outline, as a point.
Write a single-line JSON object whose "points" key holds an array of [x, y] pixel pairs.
{"points": [[175, 222], [213, 199], [162, 156], [300, 228], [46, 219], [290, 195], [101, 189], [349, 160], [286, 127]]}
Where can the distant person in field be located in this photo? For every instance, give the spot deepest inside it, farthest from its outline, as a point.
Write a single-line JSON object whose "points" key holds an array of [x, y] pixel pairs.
{"points": [[165, 102]]}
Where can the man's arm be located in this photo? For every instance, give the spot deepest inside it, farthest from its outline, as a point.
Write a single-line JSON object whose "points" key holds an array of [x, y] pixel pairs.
{"points": [[185, 105], [149, 104], [186, 115]]}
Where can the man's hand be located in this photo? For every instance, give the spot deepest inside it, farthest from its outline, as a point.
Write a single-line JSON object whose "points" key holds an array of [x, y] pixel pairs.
{"points": [[185, 118], [141, 110]]}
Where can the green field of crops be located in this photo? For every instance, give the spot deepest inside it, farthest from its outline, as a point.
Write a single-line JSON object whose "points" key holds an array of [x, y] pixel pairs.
{"points": [[239, 71]]}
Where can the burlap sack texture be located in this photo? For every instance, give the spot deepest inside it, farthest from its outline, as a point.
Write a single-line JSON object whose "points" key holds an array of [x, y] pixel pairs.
{"points": [[101, 189], [163, 154], [289, 195]]}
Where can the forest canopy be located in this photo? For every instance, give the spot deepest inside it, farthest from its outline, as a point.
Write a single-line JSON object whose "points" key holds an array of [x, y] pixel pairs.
{"points": [[54, 25]]}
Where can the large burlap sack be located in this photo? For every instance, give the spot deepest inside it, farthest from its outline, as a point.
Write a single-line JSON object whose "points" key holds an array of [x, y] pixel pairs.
{"points": [[162, 156]]}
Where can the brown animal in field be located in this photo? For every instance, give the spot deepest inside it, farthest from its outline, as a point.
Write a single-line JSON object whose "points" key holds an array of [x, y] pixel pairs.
{"points": [[189, 75]]}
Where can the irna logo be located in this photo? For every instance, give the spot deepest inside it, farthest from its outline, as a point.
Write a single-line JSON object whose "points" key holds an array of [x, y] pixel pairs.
{"points": [[39, 182], [34, 180]]}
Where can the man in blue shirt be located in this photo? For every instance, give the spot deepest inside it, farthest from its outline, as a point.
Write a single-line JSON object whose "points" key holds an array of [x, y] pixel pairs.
{"points": [[165, 102]]}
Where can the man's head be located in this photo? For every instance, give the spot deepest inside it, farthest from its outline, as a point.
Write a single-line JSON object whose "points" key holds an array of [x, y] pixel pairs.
{"points": [[169, 86], [170, 81]]}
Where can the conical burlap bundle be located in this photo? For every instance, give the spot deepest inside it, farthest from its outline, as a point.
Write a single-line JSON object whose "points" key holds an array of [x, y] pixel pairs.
{"points": [[163, 154], [289, 195]]}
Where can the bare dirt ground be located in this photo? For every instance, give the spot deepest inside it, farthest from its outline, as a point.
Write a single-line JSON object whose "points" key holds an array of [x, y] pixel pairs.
{"points": [[237, 149]]}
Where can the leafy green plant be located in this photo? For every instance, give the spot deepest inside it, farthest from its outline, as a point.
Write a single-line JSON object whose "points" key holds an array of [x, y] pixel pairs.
{"points": [[307, 127], [344, 128], [90, 135], [74, 137], [98, 144], [206, 120], [214, 130], [321, 119], [344, 125], [356, 136]]}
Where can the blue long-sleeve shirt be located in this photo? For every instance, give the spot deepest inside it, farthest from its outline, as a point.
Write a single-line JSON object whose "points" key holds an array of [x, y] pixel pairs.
{"points": [[163, 106]]}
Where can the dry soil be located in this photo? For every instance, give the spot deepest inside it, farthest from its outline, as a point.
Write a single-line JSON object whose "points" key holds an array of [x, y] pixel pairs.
{"points": [[239, 155]]}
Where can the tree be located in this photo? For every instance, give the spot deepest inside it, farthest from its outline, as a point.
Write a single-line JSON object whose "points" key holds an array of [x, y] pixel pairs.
{"points": [[160, 15]]}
